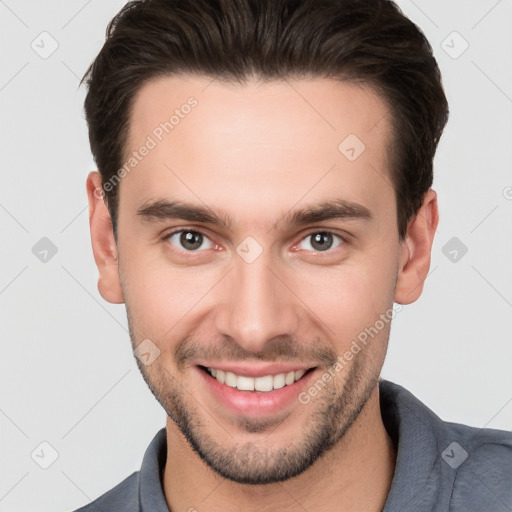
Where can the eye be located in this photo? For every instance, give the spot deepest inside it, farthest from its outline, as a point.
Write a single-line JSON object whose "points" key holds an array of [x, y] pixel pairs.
{"points": [[321, 241], [189, 240]]}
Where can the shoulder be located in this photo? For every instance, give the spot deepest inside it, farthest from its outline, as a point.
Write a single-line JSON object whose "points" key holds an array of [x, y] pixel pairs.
{"points": [[122, 498], [481, 459], [464, 468]]}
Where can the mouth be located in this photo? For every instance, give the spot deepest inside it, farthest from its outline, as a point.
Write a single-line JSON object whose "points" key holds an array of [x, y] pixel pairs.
{"points": [[267, 392], [263, 384]]}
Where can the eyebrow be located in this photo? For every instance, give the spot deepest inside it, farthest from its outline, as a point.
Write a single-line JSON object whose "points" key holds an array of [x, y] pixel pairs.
{"points": [[162, 209]]}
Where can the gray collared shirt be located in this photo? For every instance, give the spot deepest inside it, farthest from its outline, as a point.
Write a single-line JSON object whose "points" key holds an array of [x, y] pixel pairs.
{"points": [[440, 466]]}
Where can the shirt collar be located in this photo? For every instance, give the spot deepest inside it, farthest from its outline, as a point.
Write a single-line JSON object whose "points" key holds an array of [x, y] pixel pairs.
{"points": [[151, 494], [412, 426]]}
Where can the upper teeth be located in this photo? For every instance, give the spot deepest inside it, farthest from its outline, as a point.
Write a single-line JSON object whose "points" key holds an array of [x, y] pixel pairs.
{"points": [[266, 383]]}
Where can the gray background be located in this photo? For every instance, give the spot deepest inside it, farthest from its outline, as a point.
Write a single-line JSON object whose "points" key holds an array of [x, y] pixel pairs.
{"points": [[67, 375]]}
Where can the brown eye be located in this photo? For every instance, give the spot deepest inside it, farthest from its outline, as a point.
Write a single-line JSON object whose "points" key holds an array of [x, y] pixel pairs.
{"points": [[189, 240]]}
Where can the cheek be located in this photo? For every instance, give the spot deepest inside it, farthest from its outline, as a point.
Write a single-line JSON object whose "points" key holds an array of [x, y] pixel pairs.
{"points": [[161, 297], [349, 298]]}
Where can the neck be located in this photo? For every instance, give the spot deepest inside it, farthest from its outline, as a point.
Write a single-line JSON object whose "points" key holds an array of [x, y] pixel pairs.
{"points": [[355, 475]]}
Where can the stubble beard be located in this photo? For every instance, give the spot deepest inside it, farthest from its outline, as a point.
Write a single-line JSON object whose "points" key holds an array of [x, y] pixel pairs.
{"points": [[333, 413]]}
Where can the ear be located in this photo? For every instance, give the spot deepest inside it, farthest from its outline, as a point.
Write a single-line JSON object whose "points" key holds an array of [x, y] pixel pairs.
{"points": [[103, 242], [415, 251]]}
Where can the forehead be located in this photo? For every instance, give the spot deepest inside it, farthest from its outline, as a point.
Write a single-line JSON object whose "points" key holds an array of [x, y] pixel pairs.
{"points": [[262, 141], [331, 106]]}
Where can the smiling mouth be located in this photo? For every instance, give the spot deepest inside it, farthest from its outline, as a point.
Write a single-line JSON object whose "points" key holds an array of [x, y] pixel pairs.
{"points": [[263, 384]]}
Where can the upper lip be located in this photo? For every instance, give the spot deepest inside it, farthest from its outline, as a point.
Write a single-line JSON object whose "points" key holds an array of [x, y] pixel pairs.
{"points": [[257, 370]]}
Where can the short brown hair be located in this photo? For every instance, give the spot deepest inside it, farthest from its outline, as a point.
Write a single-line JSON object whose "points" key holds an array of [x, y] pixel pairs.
{"points": [[368, 41]]}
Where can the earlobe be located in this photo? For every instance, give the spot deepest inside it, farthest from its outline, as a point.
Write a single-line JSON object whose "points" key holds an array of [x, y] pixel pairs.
{"points": [[416, 251], [103, 242]]}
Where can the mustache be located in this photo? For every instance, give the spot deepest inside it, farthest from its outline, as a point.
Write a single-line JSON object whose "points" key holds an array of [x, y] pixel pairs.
{"points": [[278, 349]]}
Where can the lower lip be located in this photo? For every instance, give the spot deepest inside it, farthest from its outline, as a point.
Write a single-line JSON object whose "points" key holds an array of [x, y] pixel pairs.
{"points": [[256, 403]]}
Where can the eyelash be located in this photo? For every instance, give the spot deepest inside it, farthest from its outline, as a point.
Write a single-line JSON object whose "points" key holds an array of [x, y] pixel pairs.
{"points": [[343, 240]]}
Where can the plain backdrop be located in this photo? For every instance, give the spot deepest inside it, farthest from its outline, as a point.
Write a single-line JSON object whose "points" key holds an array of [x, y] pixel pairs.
{"points": [[67, 375]]}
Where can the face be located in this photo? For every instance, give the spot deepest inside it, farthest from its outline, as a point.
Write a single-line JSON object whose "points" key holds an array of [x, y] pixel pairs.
{"points": [[257, 241]]}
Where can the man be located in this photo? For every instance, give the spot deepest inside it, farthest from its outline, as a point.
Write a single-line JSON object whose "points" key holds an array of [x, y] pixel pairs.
{"points": [[263, 207]]}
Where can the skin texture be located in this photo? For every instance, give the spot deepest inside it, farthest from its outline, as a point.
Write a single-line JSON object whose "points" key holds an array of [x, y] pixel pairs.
{"points": [[257, 152]]}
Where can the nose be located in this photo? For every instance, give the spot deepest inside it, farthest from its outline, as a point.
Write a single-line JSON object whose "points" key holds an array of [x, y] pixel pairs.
{"points": [[257, 304]]}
